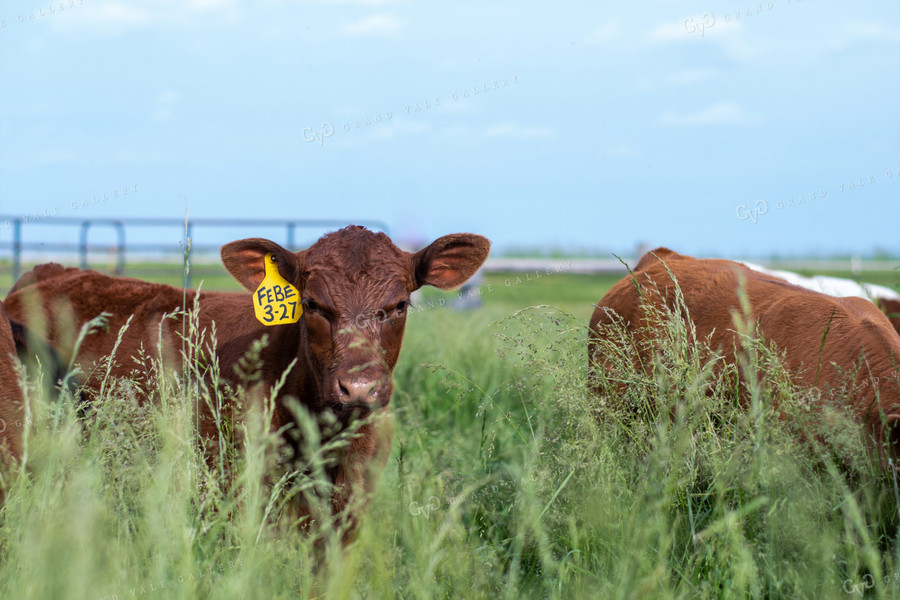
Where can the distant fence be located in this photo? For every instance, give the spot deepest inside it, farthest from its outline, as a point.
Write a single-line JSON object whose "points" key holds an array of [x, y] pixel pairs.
{"points": [[293, 234], [19, 245]]}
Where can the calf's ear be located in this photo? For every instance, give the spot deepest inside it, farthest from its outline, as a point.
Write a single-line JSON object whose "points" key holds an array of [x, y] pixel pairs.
{"points": [[245, 260], [450, 260]]}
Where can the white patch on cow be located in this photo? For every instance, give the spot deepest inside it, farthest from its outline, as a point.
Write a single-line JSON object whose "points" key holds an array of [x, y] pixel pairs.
{"points": [[832, 286]]}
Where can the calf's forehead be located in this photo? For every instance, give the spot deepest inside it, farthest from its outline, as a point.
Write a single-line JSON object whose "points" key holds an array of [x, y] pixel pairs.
{"points": [[357, 264]]}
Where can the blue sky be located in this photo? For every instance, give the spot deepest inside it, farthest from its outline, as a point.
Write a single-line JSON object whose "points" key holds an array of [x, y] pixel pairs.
{"points": [[597, 125]]}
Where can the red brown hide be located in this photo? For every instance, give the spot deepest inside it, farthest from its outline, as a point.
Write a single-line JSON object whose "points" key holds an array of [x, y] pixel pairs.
{"points": [[794, 318], [11, 402], [355, 287]]}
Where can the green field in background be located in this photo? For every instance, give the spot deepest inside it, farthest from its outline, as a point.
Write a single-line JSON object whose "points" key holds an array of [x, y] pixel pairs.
{"points": [[574, 293], [503, 291]]}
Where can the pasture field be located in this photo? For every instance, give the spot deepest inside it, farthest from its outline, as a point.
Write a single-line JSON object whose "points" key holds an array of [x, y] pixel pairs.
{"points": [[507, 479]]}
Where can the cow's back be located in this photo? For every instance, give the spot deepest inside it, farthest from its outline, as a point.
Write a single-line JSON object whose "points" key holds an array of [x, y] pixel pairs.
{"points": [[54, 302], [11, 401], [74, 297], [822, 337], [884, 297], [708, 289]]}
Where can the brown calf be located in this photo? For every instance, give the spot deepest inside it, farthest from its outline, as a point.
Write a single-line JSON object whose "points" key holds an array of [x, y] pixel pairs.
{"points": [[11, 402], [355, 287], [884, 297], [795, 319]]}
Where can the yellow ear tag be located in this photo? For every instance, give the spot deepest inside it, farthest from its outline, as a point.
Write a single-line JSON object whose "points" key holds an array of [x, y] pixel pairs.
{"points": [[275, 301]]}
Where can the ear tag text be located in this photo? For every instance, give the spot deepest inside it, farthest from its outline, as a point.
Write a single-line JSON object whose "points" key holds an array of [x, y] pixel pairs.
{"points": [[275, 301]]}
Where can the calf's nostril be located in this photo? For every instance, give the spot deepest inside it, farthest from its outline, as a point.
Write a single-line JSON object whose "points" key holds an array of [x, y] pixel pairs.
{"points": [[357, 391]]}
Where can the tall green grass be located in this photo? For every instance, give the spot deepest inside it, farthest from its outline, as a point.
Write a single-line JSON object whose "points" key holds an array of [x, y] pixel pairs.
{"points": [[508, 478]]}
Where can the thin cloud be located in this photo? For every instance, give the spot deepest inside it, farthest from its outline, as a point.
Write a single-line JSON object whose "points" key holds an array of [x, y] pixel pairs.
{"points": [[165, 105], [119, 14], [733, 37], [56, 157], [723, 113], [708, 29], [518, 132], [210, 5], [669, 32], [693, 28], [398, 129], [113, 17], [604, 33], [359, 2], [620, 151], [863, 32], [377, 134], [376, 25], [691, 76]]}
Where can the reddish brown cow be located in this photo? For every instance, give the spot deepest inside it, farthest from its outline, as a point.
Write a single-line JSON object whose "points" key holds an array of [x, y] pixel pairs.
{"points": [[884, 297], [795, 319], [11, 402], [355, 287]]}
